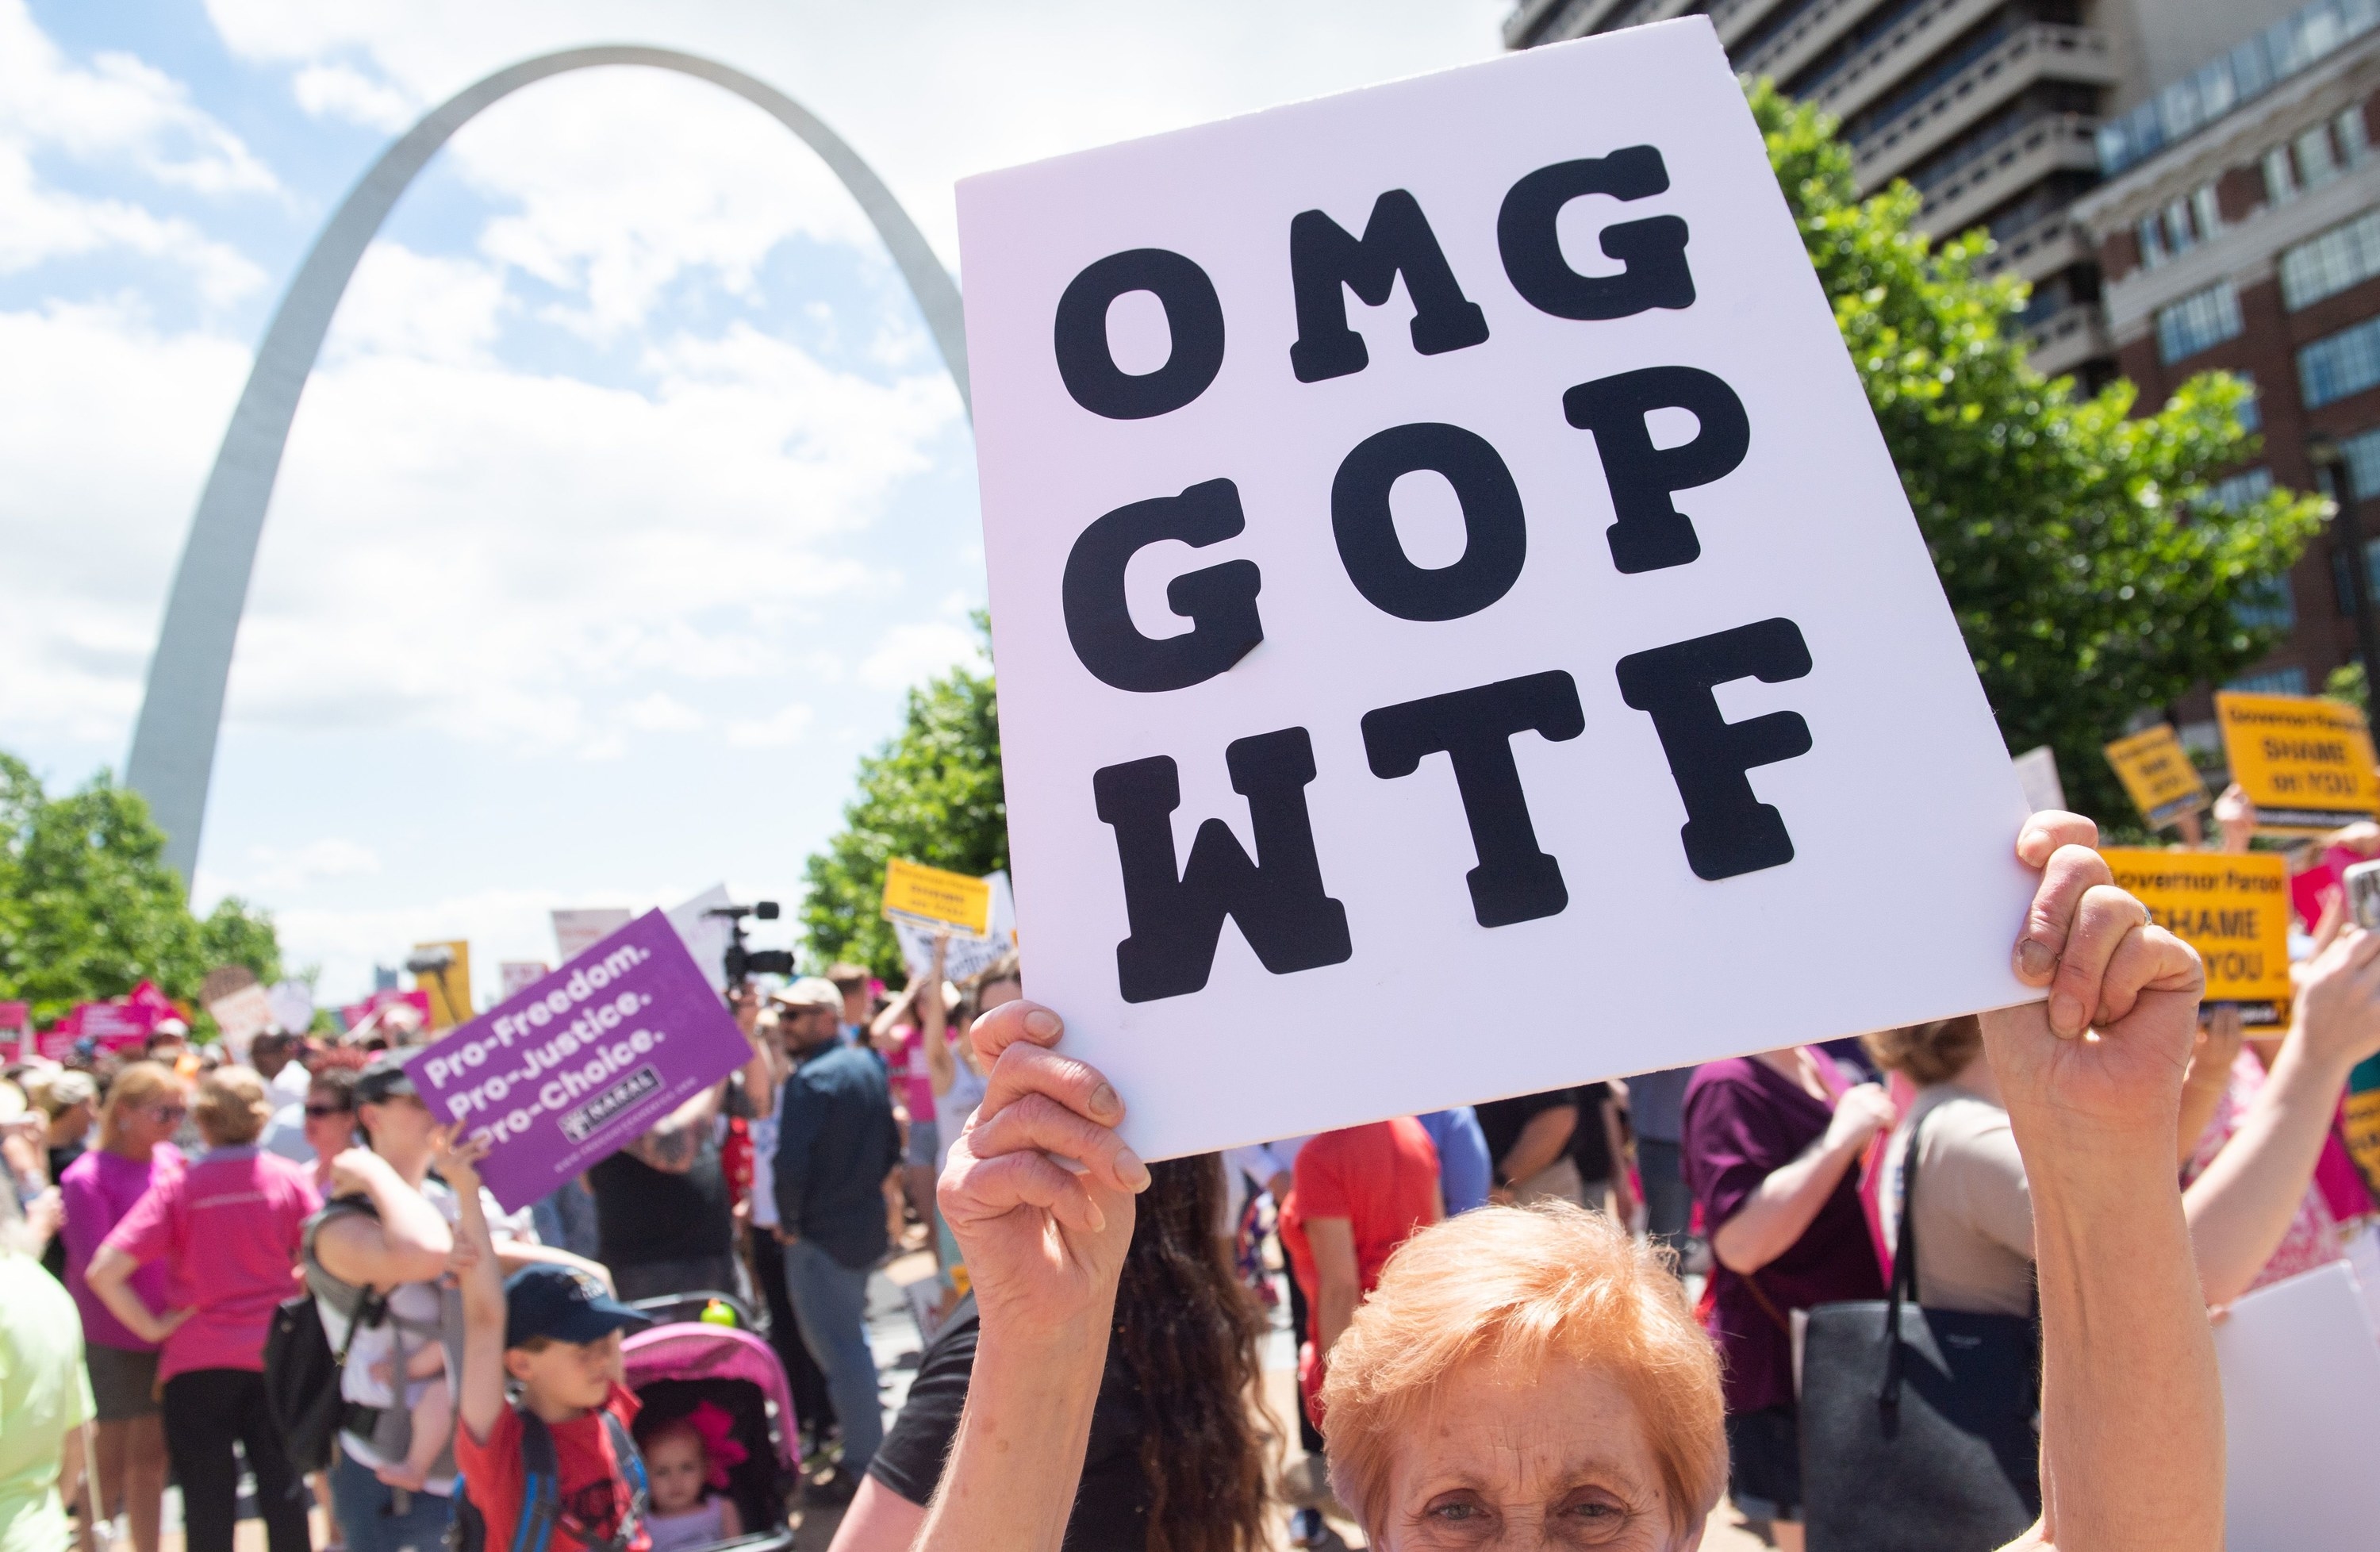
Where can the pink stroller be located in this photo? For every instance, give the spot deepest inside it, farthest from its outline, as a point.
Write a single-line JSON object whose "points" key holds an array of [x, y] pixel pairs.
{"points": [[675, 1366]]}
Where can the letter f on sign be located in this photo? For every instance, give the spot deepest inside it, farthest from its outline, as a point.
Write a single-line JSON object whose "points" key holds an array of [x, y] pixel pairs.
{"points": [[1177, 918], [1727, 830]]}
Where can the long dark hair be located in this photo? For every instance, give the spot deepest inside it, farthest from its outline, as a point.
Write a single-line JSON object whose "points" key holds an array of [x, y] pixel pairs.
{"points": [[1187, 1330]]}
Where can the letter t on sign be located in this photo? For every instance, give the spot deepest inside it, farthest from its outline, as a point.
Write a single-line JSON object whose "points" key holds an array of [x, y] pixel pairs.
{"points": [[1514, 882], [1727, 830]]}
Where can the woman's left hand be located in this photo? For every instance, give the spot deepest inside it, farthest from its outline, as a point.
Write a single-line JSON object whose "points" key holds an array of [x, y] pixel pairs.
{"points": [[1043, 1242], [2102, 1060]]}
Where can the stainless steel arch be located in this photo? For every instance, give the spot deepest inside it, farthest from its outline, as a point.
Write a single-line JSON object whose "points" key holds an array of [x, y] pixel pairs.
{"points": [[174, 742]]}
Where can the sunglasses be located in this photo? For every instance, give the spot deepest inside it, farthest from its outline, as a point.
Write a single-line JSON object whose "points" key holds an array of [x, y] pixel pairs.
{"points": [[324, 1112], [169, 1112]]}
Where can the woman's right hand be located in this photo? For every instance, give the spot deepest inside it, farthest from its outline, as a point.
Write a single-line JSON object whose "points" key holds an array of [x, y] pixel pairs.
{"points": [[2338, 1021], [1043, 1242]]}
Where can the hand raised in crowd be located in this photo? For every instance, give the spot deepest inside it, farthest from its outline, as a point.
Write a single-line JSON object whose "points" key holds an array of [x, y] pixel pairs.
{"points": [[2236, 818], [2339, 1001], [1042, 1243], [2105, 1053], [1863, 1110]]}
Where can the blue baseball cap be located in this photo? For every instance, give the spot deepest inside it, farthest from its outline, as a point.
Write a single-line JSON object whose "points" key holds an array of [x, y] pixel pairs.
{"points": [[561, 1303]]}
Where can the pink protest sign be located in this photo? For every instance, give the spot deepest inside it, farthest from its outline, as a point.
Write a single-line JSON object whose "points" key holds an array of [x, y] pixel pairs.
{"points": [[582, 1061]]}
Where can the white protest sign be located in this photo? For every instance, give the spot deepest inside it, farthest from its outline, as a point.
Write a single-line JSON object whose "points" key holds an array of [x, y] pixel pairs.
{"points": [[242, 1017], [2301, 1408], [706, 936], [1405, 511], [576, 931], [293, 1006], [2036, 772]]}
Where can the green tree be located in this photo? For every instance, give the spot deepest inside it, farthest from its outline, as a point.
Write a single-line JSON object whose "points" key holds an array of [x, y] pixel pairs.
{"points": [[2091, 573], [932, 795], [89, 909]]}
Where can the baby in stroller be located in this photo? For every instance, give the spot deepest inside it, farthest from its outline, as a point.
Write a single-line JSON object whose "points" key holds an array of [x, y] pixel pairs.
{"points": [[686, 1463], [716, 1428]]}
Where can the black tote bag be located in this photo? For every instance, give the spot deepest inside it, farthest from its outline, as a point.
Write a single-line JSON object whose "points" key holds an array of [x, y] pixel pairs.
{"points": [[1918, 1425]]}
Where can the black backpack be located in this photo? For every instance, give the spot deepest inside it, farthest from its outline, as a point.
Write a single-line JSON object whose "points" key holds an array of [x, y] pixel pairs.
{"points": [[301, 1373], [541, 1495]]}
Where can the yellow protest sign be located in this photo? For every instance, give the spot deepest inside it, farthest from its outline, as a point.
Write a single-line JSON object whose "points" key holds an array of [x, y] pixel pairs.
{"points": [[2233, 908], [2305, 762], [2156, 773], [450, 988], [931, 897]]}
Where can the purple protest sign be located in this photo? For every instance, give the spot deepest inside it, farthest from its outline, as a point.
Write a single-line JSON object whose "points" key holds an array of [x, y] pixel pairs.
{"points": [[582, 1061]]}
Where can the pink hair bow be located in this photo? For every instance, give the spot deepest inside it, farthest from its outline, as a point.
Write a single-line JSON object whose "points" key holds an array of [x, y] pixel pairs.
{"points": [[719, 1444]]}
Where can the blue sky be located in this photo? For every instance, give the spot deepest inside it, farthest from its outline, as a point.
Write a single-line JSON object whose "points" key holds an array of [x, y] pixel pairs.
{"points": [[629, 495]]}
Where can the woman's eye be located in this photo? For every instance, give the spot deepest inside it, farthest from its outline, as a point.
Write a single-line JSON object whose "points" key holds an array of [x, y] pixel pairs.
{"points": [[1455, 1511]]}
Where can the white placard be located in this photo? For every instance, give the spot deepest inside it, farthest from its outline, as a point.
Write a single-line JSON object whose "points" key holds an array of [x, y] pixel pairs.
{"points": [[242, 1017], [706, 936], [1592, 235], [576, 931], [2301, 1408], [965, 958], [2036, 772], [518, 975], [293, 1006]]}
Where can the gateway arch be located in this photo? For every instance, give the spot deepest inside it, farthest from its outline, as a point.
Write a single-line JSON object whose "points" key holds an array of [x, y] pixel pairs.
{"points": [[181, 713]]}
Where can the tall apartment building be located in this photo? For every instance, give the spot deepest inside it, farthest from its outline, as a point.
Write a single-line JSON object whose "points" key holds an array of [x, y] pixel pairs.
{"points": [[1993, 109], [2239, 227]]}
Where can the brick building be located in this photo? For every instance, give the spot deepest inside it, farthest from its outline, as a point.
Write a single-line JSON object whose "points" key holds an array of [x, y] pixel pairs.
{"points": [[2240, 228]]}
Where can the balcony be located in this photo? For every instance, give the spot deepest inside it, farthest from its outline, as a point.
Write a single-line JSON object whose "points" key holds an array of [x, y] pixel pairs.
{"points": [[1873, 70], [2035, 252], [2000, 166], [2041, 52], [1733, 19], [2068, 337], [1550, 21]]}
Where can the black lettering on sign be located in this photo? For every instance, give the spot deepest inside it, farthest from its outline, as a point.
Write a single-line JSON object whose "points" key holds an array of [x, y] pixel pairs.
{"points": [[1194, 316], [1652, 252], [1514, 882], [1496, 539], [1325, 263], [1221, 600], [1176, 919], [1648, 532], [1727, 830]]}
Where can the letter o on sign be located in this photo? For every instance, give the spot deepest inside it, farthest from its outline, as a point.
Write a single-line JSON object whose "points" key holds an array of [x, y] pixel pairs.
{"points": [[1497, 539], [1194, 316]]}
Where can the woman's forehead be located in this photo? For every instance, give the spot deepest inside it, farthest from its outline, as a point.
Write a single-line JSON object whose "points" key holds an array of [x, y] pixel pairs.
{"points": [[1549, 1417]]}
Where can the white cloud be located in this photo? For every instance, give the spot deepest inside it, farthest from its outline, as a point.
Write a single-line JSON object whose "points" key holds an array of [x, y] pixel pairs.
{"points": [[119, 110], [772, 731], [662, 713], [273, 870], [913, 652], [340, 92]]}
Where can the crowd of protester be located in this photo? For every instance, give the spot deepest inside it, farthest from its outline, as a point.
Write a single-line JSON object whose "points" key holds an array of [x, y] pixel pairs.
{"points": [[1578, 1305]]}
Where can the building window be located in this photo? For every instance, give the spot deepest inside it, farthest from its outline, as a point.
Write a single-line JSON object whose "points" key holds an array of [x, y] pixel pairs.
{"points": [[2316, 162], [2326, 265], [2344, 363], [2265, 606], [2206, 212], [2240, 491], [2362, 455], [2197, 322], [2278, 681], [2354, 142], [2152, 236], [2280, 183], [2252, 408]]}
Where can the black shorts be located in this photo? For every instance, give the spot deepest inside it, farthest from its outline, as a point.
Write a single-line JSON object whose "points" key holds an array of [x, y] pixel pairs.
{"points": [[123, 1384], [1764, 1463]]}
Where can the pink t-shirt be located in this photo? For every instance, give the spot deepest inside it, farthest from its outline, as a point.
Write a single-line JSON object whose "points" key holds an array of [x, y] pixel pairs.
{"points": [[98, 1189], [906, 1066], [228, 1228]]}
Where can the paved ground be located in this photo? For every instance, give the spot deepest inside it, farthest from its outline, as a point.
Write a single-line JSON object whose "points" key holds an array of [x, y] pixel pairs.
{"points": [[894, 1334]]}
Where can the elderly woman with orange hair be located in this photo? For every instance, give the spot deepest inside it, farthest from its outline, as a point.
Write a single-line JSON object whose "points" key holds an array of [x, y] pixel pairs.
{"points": [[1525, 1378]]}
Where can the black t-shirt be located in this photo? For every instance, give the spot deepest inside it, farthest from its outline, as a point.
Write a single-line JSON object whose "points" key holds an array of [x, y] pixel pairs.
{"points": [[1501, 1121], [1111, 1506], [644, 1215], [1588, 1147]]}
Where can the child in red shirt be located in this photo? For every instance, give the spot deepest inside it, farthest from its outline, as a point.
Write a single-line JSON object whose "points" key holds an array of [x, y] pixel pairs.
{"points": [[555, 1329]]}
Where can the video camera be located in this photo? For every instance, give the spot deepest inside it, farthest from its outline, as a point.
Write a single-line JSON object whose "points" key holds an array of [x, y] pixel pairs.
{"points": [[742, 962]]}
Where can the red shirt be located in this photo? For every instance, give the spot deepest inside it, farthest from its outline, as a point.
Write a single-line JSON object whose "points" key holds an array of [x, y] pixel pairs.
{"points": [[1381, 1178], [594, 1489], [228, 1230]]}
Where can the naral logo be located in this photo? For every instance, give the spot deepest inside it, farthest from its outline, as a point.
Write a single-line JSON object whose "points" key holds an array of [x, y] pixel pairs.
{"points": [[580, 1123]]}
